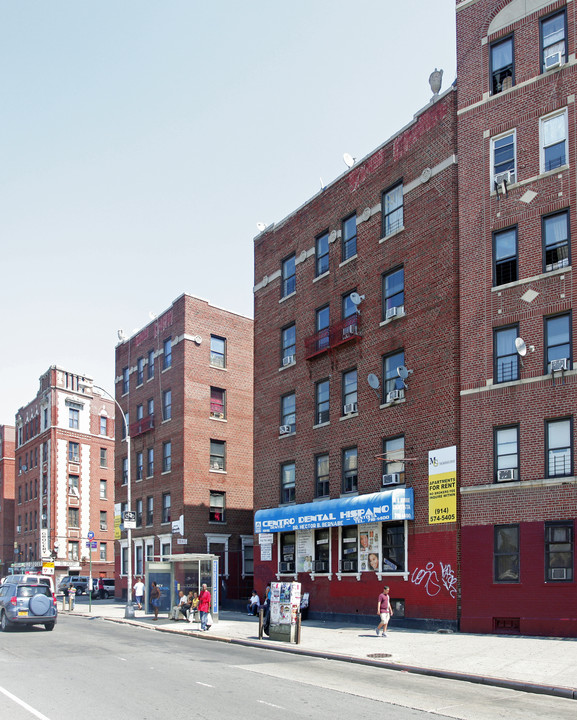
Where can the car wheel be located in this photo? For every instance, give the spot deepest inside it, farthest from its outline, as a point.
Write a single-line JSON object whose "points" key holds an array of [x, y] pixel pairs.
{"points": [[49, 625], [4, 623], [106, 595]]}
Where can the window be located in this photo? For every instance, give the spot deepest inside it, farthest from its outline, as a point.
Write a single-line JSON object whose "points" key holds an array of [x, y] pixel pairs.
{"points": [[556, 241], [45, 452], [150, 462], [103, 490], [506, 442], [138, 561], [150, 370], [149, 510], [217, 455], [287, 542], [393, 210], [138, 513], [167, 404], [165, 550], [322, 254], [559, 447], [559, 550], [166, 456], [322, 550], [73, 485], [217, 403], [322, 402], [217, 507], [165, 507], [103, 425], [553, 141], [150, 406], [73, 550], [350, 391], [394, 453], [139, 412], [288, 276], [288, 345], [140, 371], [393, 293], [287, 482], [503, 156], [73, 418], [558, 340], [150, 551], [73, 452], [393, 386], [103, 551], [348, 306], [73, 517], [217, 351], [322, 322], [506, 356], [349, 548], [103, 520], [247, 557], [288, 411], [167, 357], [103, 457], [322, 475], [124, 471], [553, 34], [125, 380], [505, 254], [139, 465], [350, 463], [349, 237], [506, 553], [502, 65], [393, 547]]}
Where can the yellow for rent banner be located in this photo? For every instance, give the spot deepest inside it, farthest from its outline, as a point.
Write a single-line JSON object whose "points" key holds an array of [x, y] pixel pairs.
{"points": [[443, 485]]}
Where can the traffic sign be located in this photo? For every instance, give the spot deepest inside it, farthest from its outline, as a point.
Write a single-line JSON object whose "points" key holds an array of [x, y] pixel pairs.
{"points": [[129, 518], [90, 535]]}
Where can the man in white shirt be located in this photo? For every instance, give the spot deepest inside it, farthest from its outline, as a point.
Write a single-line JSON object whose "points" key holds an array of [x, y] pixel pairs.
{"points": [[139, 592], [253, 604]]}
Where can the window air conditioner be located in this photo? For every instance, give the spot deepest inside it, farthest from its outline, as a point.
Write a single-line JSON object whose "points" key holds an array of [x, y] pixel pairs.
{"points": [[349, 331], [218, 415], [284, 429], [502, 180], [19, 528], [103, 526], [559, 364], [554, 60], [286, 567], [350, 408], [558, 573], [391, 312], [321, 566], [394, 395], [349, 565], [392, 479], [510, 474], [288, 360]]}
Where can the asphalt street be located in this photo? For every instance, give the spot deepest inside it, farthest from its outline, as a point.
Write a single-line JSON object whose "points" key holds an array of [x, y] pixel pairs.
{"points": [[92, 667]]}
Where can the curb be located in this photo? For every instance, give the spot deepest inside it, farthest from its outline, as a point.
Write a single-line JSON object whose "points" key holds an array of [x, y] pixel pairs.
{"points": [[519, 685]]}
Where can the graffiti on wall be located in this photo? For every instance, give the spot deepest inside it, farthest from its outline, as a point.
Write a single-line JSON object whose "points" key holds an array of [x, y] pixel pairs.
{"points": [[433, 581]]}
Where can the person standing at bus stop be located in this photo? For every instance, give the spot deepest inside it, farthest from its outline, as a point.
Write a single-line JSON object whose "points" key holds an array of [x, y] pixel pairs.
{"points": [[204, 607]]}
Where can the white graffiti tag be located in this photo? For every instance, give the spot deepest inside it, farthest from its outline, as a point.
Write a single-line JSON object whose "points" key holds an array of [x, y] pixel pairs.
{"points": [[449, 579], [429, 579]]}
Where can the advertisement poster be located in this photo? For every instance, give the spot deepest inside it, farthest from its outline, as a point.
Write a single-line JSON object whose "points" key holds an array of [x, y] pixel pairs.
{"points": [[443, 485], [284, 603], [305, 551], [369, 547], [266, 552]]}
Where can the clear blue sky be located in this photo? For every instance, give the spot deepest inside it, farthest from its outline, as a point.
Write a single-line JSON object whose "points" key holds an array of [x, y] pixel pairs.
{"points": [[142, 140]]}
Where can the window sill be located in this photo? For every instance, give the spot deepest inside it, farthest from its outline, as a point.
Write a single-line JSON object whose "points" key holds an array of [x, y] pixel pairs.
{"points": [[321, 276], [351, 493], [217, 522], [286, 297], [392, 403], [518, 485], [392, 235], [166, 472], [218, 367], [322, 425], [287, 435], [349, 416], [533, 278], [543, 174], [348, 260], [286, 367], [217, 472], [392, 319], [166, 369], [217, 419], [165, 421]]}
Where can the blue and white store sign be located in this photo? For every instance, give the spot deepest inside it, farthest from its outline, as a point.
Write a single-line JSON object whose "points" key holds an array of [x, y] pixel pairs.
{"points": [[397, 504]]}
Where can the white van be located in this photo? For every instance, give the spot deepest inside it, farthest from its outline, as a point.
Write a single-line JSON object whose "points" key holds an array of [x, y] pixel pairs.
{"points": [[32, 580]]}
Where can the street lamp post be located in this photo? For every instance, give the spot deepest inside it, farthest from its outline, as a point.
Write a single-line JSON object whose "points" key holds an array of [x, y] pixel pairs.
{"points": [[129, 608]]}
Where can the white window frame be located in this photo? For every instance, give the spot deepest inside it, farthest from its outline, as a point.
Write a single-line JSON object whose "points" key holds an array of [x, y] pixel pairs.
{"points": [[219, 539], [247, 540], [542, 121], [513, 132]]}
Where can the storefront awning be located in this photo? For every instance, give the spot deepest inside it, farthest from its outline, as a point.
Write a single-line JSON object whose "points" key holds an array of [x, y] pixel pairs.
{"points": [[397, 504]]}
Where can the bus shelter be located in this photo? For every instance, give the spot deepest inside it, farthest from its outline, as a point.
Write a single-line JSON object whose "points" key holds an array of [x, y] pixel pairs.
{"points": [[187, 572]]}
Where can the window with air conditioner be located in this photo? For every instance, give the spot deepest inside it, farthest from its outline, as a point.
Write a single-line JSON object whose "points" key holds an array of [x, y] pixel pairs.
{"points": [[104, 520], [559, 551], [559, 447], [553, 46], [217, 403], [393, 386], [553, 134], [506, 357], [349, 548], [393, 460], [322, 550], [218, 455], [502, 65], [287, 552], [393, 294], [349, 391], [558, 343], [504, 159], [73, 452], [556, 241], [506, 453], [288, 345]]}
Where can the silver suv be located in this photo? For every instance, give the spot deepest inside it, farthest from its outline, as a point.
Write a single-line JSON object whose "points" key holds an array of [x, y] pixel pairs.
{"points": [[27, 604]]}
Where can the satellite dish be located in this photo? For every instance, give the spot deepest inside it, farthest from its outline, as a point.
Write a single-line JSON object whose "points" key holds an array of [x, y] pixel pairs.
{"points": [[357, 299], [373, 381], [402, 372], [121, 335], [260, 226], [520, 346], [349, 160], [152, 315]]}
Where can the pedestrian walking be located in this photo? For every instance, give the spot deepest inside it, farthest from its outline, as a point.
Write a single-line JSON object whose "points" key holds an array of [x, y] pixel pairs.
{"points": [[101, 588], [204, 607], [139, 592], [155, 599], [384, 611]]}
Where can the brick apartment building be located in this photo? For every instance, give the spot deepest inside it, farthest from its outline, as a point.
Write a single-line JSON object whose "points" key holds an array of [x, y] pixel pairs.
{"points": [[517, 83], [64, 481], [6, 497], [185, 383], [356, 381]]}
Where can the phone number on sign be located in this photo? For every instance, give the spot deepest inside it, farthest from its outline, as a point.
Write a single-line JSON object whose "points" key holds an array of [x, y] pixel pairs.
{"points": [[442, 518]]}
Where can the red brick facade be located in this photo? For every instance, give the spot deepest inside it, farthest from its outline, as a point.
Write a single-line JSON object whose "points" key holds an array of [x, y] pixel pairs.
{"points": [[420, 240], [6, 497], [518, 578], [202, 405]]}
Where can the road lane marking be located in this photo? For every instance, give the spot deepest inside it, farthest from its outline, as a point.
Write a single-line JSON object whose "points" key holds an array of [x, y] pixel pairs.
{"points": [[271, 705], [30, 709], [205, 684]]}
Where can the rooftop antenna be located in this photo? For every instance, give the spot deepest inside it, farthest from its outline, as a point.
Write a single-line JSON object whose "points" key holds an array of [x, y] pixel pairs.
{"points": [[349, 160]]}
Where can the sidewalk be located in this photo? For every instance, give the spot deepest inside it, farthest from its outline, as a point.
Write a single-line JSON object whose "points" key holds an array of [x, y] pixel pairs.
{"points": [[542, 665]]}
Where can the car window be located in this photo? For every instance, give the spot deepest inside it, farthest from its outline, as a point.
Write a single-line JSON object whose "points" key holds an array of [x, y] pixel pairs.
{"points": [[31, 590]]}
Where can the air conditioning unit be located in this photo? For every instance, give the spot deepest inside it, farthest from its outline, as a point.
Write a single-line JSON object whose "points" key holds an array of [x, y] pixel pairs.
{"points": [[349, 331], [286, 567], [18, 528], [321, 566], [396, 311], [394, 395], [554, 60], [558, 573], [103, 526], [510, 474], [288, 360], [502, 180], [218, 415], [349, 565], [392, 479], [284, 429], [559, 364], [350, 408]]}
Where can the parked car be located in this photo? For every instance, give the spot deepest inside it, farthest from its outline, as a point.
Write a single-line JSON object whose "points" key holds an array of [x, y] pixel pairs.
{"points": [[108, 587], [79, 582], [23, 604], [32, 579]]}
